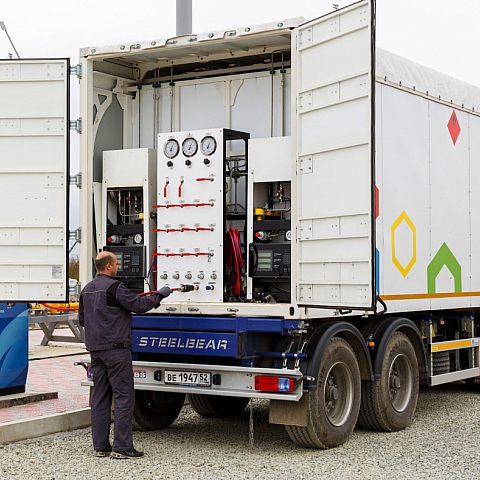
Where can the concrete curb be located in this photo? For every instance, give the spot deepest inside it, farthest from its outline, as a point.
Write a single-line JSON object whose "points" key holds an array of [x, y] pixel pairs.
{"points": [[38, 426], [25, 398]]}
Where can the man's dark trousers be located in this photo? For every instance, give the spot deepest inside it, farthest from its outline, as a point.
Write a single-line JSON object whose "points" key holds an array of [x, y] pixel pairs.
{"points": [[112, 373]]}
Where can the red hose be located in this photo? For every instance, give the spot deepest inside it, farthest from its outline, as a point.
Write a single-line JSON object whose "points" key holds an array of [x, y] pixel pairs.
{"points": [[154, 268], [234, 262]]}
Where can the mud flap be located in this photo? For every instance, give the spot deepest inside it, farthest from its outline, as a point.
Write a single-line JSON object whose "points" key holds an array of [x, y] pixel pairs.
{"points": [[290, 413]]}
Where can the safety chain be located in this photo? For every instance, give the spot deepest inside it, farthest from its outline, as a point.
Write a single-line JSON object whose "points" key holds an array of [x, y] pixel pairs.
{"points": [[251, 432]]}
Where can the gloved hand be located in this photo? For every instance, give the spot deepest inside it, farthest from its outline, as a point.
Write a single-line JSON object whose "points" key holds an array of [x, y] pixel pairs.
{"points": [[165, 291]]}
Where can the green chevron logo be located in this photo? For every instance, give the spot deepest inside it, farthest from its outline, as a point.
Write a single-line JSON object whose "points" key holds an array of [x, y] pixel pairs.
{"points": [[444, 257]]}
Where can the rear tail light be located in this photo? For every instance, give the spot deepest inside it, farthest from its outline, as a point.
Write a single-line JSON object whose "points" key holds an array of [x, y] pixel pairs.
{"points": [[274, 384]]}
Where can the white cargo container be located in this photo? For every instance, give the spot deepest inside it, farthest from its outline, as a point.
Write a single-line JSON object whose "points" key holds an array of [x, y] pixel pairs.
{"points": [[320, 194]]}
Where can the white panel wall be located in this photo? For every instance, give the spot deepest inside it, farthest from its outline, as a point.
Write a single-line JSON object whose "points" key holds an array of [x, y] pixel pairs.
{"points": [[332, 134], [403, 182], [450, 199], [429, 212], [474, 138], [34, 180], [201, 107], [239, 102], [252, 109]]}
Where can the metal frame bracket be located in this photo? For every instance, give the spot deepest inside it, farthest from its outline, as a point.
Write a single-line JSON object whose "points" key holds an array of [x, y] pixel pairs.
{"points": [[75, 290], [76, 125], [76, 180], [76, 70], [75, 235]]}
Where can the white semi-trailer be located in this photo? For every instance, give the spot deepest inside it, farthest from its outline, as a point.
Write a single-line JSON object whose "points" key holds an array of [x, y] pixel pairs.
{"points": [[318, 192]]}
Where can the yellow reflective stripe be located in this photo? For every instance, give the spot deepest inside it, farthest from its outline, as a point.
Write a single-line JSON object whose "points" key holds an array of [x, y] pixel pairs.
{"points": [[421, 296], [436, 347]]}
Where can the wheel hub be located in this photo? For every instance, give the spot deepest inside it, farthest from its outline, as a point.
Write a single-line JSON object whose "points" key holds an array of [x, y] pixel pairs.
{"points": [[395, 382], [333, 393], [338, 394], [400, 382]]}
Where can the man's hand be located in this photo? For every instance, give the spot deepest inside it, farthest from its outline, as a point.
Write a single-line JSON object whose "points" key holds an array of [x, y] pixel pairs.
{"points": [[165, 291]]}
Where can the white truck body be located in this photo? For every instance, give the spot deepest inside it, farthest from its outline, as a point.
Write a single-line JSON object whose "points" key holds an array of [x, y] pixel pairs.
{"points": [[324, 103], [426, 187]]}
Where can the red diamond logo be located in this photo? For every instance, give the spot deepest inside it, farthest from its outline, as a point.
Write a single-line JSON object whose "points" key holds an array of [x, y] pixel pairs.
{"points": [[454, 127]]}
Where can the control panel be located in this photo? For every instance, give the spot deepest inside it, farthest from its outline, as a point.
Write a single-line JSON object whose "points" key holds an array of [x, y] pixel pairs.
{"points": [[190, 212], [272, 260], [131, 260]]}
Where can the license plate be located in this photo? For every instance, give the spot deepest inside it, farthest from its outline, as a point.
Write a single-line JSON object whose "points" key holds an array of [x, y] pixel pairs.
{"points": [[192, 379]]}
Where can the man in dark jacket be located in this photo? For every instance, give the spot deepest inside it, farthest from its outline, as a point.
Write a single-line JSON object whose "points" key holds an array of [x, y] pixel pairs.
{"points": [[105, 312]]}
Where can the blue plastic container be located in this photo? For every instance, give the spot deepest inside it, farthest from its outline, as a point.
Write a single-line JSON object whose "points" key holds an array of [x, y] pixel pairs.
{"points": [[13, 347]]}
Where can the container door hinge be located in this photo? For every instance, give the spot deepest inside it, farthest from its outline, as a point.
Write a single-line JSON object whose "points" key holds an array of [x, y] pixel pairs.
{"points": [[76, 70], [76, 125], [75, 290], [76, 180], [75, 235]]}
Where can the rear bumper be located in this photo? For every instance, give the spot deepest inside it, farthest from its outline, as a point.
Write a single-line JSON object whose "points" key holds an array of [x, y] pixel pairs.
{"points": [[231, 381]]}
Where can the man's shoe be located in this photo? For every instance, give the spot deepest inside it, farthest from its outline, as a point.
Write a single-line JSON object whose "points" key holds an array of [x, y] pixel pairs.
{"points": [[104, 453], [127, 454]]}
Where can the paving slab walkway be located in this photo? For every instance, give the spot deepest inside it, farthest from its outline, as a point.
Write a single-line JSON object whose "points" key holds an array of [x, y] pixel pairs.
{"points": [[51, 370]]}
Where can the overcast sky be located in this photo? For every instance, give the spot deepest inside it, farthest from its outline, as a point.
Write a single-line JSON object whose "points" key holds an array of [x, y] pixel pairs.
{"points": [[441, 34]]}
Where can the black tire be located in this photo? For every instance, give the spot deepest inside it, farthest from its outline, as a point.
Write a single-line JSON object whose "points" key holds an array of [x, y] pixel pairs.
{"points": [[156, 410], [441, 363], [389, 404], [333, 407], [215, 406]]}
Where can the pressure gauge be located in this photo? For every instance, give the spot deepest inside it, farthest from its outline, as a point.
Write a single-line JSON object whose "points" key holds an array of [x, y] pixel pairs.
{"points": [[138, 238], [171, 148], [189, 147], [208, 146]]}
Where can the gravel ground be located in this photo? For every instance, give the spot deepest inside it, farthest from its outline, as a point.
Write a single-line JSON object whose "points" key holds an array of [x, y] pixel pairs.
{"points": [[443, 442]]}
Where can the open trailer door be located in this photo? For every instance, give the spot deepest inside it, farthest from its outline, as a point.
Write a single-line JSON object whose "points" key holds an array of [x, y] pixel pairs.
{"points": [[333, 125], [34, 180]]}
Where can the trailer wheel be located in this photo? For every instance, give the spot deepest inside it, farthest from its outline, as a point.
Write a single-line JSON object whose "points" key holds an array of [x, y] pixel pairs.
{"points": [[156, 410], [333, 407], [216, 406], [388, 404]]}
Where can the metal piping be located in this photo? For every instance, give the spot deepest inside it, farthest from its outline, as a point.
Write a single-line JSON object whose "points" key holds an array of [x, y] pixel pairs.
{"points": [[272, 71], [172, 98]]}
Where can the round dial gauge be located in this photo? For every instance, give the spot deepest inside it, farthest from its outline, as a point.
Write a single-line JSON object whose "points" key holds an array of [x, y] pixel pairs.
{"points": [[208, 146], [171, 148], [189, 147], [137, 238]]}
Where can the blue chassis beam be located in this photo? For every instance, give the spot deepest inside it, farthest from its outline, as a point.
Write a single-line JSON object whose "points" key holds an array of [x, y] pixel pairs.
{"points": [[211, 336]]}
